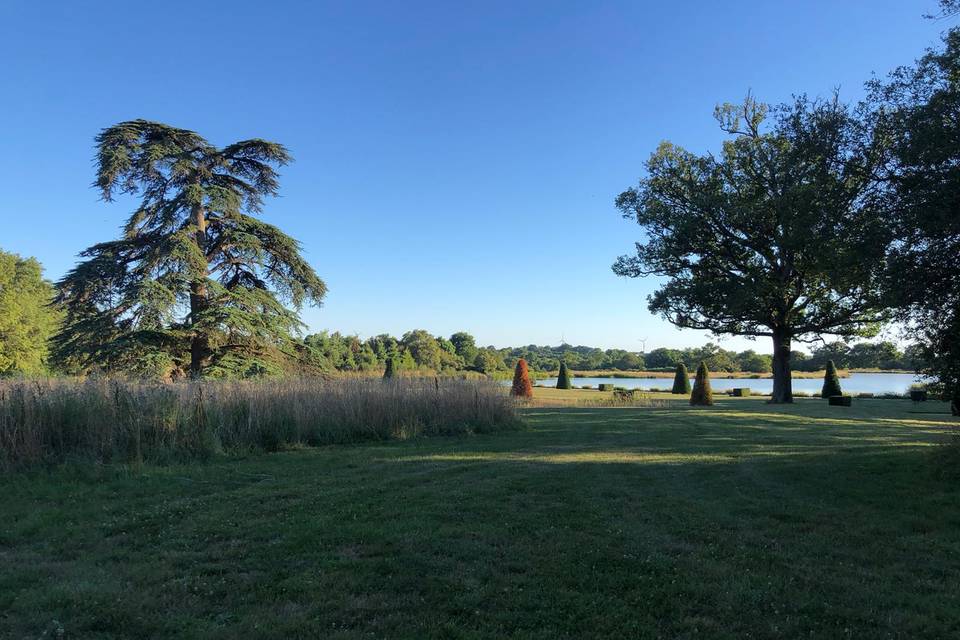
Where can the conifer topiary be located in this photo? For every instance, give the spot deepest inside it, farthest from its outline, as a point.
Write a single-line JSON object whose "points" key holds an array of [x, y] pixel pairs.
{"points": [[522, 387], [390, 370], [563, 378], [681, 380], [831, 382], [702, 393]]}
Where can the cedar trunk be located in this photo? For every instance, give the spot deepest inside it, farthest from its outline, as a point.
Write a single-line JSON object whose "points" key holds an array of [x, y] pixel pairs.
{"points": [[200, 352], [782, 381]]}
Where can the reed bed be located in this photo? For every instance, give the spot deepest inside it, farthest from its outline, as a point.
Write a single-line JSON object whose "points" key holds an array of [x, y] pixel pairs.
{"points": [[103, 420]]}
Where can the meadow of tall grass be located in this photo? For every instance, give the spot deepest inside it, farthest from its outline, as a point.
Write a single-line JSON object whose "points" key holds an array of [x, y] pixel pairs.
{"points": [[106, 420]]}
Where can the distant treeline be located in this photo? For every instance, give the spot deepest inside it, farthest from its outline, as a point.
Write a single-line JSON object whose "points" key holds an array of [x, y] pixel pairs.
{"points": [[420, 350], [28, 320]]}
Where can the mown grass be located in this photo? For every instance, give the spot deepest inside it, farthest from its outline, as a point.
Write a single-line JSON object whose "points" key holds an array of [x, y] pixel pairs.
{"points": [[551, 397], [739, 520]]}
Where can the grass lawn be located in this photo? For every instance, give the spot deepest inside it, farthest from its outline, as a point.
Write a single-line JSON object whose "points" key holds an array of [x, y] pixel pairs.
{"points": [[551, 397], [740, 520]]}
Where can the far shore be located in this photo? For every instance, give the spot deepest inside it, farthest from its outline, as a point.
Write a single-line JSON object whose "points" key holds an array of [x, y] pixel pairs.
{"points": [[843, 373]]}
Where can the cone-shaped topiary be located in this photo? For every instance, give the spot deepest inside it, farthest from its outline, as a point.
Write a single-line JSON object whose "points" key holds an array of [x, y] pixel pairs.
{"points": [[702, 393], [390, 371], [831, 382], [522, 387], [681, 380], [563, 378]]}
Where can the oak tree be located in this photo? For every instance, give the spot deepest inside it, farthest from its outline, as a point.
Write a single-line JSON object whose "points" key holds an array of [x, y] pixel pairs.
{"points": [[778, 236]]}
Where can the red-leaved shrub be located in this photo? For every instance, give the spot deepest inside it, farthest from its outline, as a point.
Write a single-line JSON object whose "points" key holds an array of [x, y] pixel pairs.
{"points": [[522, 387]]}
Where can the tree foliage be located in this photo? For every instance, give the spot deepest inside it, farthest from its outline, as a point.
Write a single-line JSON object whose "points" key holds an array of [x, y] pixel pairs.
{"points": [[781, 235], [326, 351], [488, 361], [919, 108], [948, 8], [27, 319], [197, 283], [862, 355], [465, 346], [423, 347]]}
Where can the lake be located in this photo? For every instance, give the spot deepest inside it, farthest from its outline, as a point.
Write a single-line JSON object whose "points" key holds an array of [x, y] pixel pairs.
{"points": [[856, 383]]}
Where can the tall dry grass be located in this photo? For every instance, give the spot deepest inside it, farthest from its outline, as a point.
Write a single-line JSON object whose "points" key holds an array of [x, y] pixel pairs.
{"points": [[54, 421]]}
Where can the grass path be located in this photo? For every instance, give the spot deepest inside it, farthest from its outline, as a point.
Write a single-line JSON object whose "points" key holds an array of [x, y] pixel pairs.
{"points": [[739, 520]]}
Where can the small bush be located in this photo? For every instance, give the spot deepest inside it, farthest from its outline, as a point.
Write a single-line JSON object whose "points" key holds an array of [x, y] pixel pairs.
{"points": [[563, 378], [831, 382], [702, 393], [605, 386], [864, 394], [522, 387], [681, 380]]}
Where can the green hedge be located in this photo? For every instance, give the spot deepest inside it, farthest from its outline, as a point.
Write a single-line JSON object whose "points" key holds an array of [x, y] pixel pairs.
{"points": [[840, 401]]}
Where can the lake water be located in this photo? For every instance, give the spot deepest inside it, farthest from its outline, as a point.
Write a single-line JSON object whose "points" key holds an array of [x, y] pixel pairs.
{"points": [[856, 383]]}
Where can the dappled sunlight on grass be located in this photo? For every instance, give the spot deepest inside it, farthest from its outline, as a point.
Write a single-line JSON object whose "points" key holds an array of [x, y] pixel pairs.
{"points": [[627, 456], [598, 457], [730, 432], [908, 422]]}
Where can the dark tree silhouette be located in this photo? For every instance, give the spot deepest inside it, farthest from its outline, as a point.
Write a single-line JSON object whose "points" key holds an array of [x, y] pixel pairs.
{"points": [[563, 377], [919, 108], [831, 382], [390, 369]]}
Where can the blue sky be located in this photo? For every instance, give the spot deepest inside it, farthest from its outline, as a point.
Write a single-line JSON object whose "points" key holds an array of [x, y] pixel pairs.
{"points": [[456, 162]]}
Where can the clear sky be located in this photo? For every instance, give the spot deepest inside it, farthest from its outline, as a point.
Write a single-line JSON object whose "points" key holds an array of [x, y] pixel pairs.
{"points": [[456, 162]]}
